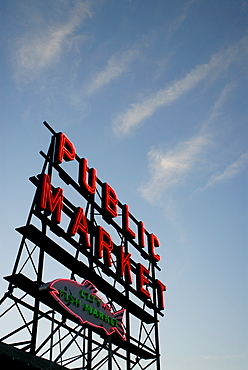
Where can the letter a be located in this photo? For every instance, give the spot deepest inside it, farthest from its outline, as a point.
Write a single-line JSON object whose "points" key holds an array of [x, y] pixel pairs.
{"points": [[79, 225]]}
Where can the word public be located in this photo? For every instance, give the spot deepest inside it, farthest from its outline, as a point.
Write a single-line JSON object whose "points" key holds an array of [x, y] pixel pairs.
{"points": [[50, 199]]}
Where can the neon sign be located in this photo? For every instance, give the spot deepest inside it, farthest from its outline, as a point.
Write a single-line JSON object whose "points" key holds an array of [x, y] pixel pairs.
{"points": [[79, 223], [50, 200], [81, 301]]}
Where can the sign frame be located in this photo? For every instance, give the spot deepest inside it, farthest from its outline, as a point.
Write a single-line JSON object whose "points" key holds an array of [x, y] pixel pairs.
{"points": [[127, 284]]}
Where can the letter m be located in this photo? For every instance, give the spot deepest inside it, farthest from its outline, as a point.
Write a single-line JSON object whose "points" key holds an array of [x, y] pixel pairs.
{"points": [[50, 199]]}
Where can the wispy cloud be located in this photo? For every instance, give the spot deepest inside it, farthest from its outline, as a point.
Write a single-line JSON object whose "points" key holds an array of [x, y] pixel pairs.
{"points": [[116, 66], [138, 112], [230, 171], [224, 96], [37, 50], [178, 21], [169, 169]]}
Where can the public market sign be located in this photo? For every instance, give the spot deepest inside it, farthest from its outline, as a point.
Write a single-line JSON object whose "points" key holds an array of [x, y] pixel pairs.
{"points": [[95, 238]]}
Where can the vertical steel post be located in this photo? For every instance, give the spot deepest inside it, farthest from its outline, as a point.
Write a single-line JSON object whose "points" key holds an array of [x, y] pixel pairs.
{"points": [[156, 320], [51, 151], [92, 218], [128, 354], [37, 304], [51, 341], [109, 353]]}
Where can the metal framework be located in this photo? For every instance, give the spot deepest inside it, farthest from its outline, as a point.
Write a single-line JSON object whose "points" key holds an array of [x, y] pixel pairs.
{"points": [[30, 319]]}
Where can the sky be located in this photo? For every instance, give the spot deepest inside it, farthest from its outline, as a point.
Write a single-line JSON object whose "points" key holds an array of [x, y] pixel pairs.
{"points": [[154, 95]]}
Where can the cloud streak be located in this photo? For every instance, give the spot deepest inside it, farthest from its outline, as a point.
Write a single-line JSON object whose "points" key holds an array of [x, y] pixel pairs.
{"points": [[116, 66], [137, 113], [169, 169], [230, 171], [37, 51], [178, 21]]}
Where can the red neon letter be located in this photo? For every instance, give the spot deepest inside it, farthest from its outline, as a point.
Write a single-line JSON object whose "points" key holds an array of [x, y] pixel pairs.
{"points": [[142, 280], [141, 234], [50, 200], [124, 265], [104, 245], [89, 186], [109, 200], [64, 149], [125, 222], [153, 242], [79, 225], [160, 289]]}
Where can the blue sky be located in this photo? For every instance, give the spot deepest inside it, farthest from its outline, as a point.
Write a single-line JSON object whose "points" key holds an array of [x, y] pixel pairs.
{"points": [[154, 94]]}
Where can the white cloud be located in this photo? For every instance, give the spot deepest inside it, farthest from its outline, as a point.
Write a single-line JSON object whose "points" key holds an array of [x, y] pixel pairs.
{"points": [[225, 93], [178, 21], [138, 112], [116, 66], [38, 49], [230, 171], [169, 169]]}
